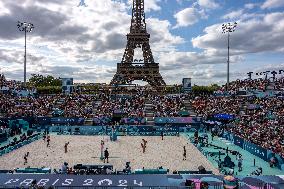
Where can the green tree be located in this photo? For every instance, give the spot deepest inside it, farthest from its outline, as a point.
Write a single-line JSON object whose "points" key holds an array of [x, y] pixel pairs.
{"points": [[205, 90], [38, 80]]}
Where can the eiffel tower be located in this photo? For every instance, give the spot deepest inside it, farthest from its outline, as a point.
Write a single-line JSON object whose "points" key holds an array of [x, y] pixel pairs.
{"points": [[146, 70]]}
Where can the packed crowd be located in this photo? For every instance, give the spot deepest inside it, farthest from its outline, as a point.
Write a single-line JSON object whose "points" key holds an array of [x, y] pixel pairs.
{"points": [[72, 105], [259, 120], [255, 84], [263, 124], [76, 105], [9, 84], [131, 105], [279, 84], [84, 106], [167, 106]]}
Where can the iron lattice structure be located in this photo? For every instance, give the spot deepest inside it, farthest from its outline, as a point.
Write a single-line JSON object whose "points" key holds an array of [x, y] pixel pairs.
{"points": [[146, 70]]}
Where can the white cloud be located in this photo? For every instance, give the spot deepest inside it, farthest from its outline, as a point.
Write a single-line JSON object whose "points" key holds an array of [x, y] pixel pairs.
{"points": [[233, 14], [187, 17], [251, 5], [161, 38], [270, 4], [149, 5], [251, 36], [74, 37], [179, 2], [152, 5], [208, 4], [242, 15], [270, 67], [191, 15], [3, 9]]}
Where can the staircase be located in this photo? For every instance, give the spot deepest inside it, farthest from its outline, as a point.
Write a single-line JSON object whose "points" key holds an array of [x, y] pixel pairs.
{"points": [[189, 108], [149, 112], [270, 86], [57, 105], [59, 102], [97, 103]]}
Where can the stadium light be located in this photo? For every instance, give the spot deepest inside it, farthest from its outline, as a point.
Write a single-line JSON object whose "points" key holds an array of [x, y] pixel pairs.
{"points": [[249, 75], [25, 27], [228, 28], [266, 73], [273, 75]]}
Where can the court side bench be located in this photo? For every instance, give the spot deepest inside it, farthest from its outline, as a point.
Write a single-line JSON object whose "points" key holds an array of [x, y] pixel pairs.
{"points": [[193, 172], [85, 167], [33, 170], [151, 171]]}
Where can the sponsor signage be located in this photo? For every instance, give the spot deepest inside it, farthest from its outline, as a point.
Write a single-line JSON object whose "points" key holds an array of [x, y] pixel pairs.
{"points": [[82, 180], [60, 120], [255, 150], [186, 83], [133, 181]]}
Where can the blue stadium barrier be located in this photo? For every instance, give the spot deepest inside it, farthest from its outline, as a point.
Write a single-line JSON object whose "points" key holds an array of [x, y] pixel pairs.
{"points": [[60, 121], [121, 130], [255, 149], [178, 120]]}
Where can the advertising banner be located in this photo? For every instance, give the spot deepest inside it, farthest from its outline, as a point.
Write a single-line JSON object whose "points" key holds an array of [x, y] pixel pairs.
{"points": [[176, 120], [60, 120], [238, 141], [67, 81], [255, 150], [224, 116], [186, 83], [25, 180], [63, 120], [133, 181]]}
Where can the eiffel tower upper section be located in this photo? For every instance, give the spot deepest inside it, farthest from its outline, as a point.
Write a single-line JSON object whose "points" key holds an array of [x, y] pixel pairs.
{"points": [[131, 69], [138, 36]]}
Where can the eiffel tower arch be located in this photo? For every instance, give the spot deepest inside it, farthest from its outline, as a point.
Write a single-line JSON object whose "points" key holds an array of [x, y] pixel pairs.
{"points": [[130, 69]]}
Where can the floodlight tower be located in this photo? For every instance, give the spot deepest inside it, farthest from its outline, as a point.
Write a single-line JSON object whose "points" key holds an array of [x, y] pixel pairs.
{"points": [[249, 75], [228, 28], [25, 27], [274, 73]]}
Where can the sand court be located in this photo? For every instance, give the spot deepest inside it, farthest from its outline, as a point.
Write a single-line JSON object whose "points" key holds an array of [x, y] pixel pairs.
{"points": [[86, 150]]}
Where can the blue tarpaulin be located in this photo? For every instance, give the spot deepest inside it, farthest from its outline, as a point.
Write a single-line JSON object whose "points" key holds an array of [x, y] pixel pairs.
{"points": [[224, 116]]}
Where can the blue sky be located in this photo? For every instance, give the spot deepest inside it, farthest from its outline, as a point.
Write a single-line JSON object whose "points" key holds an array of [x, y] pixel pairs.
{"points": [[186, 38]]}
